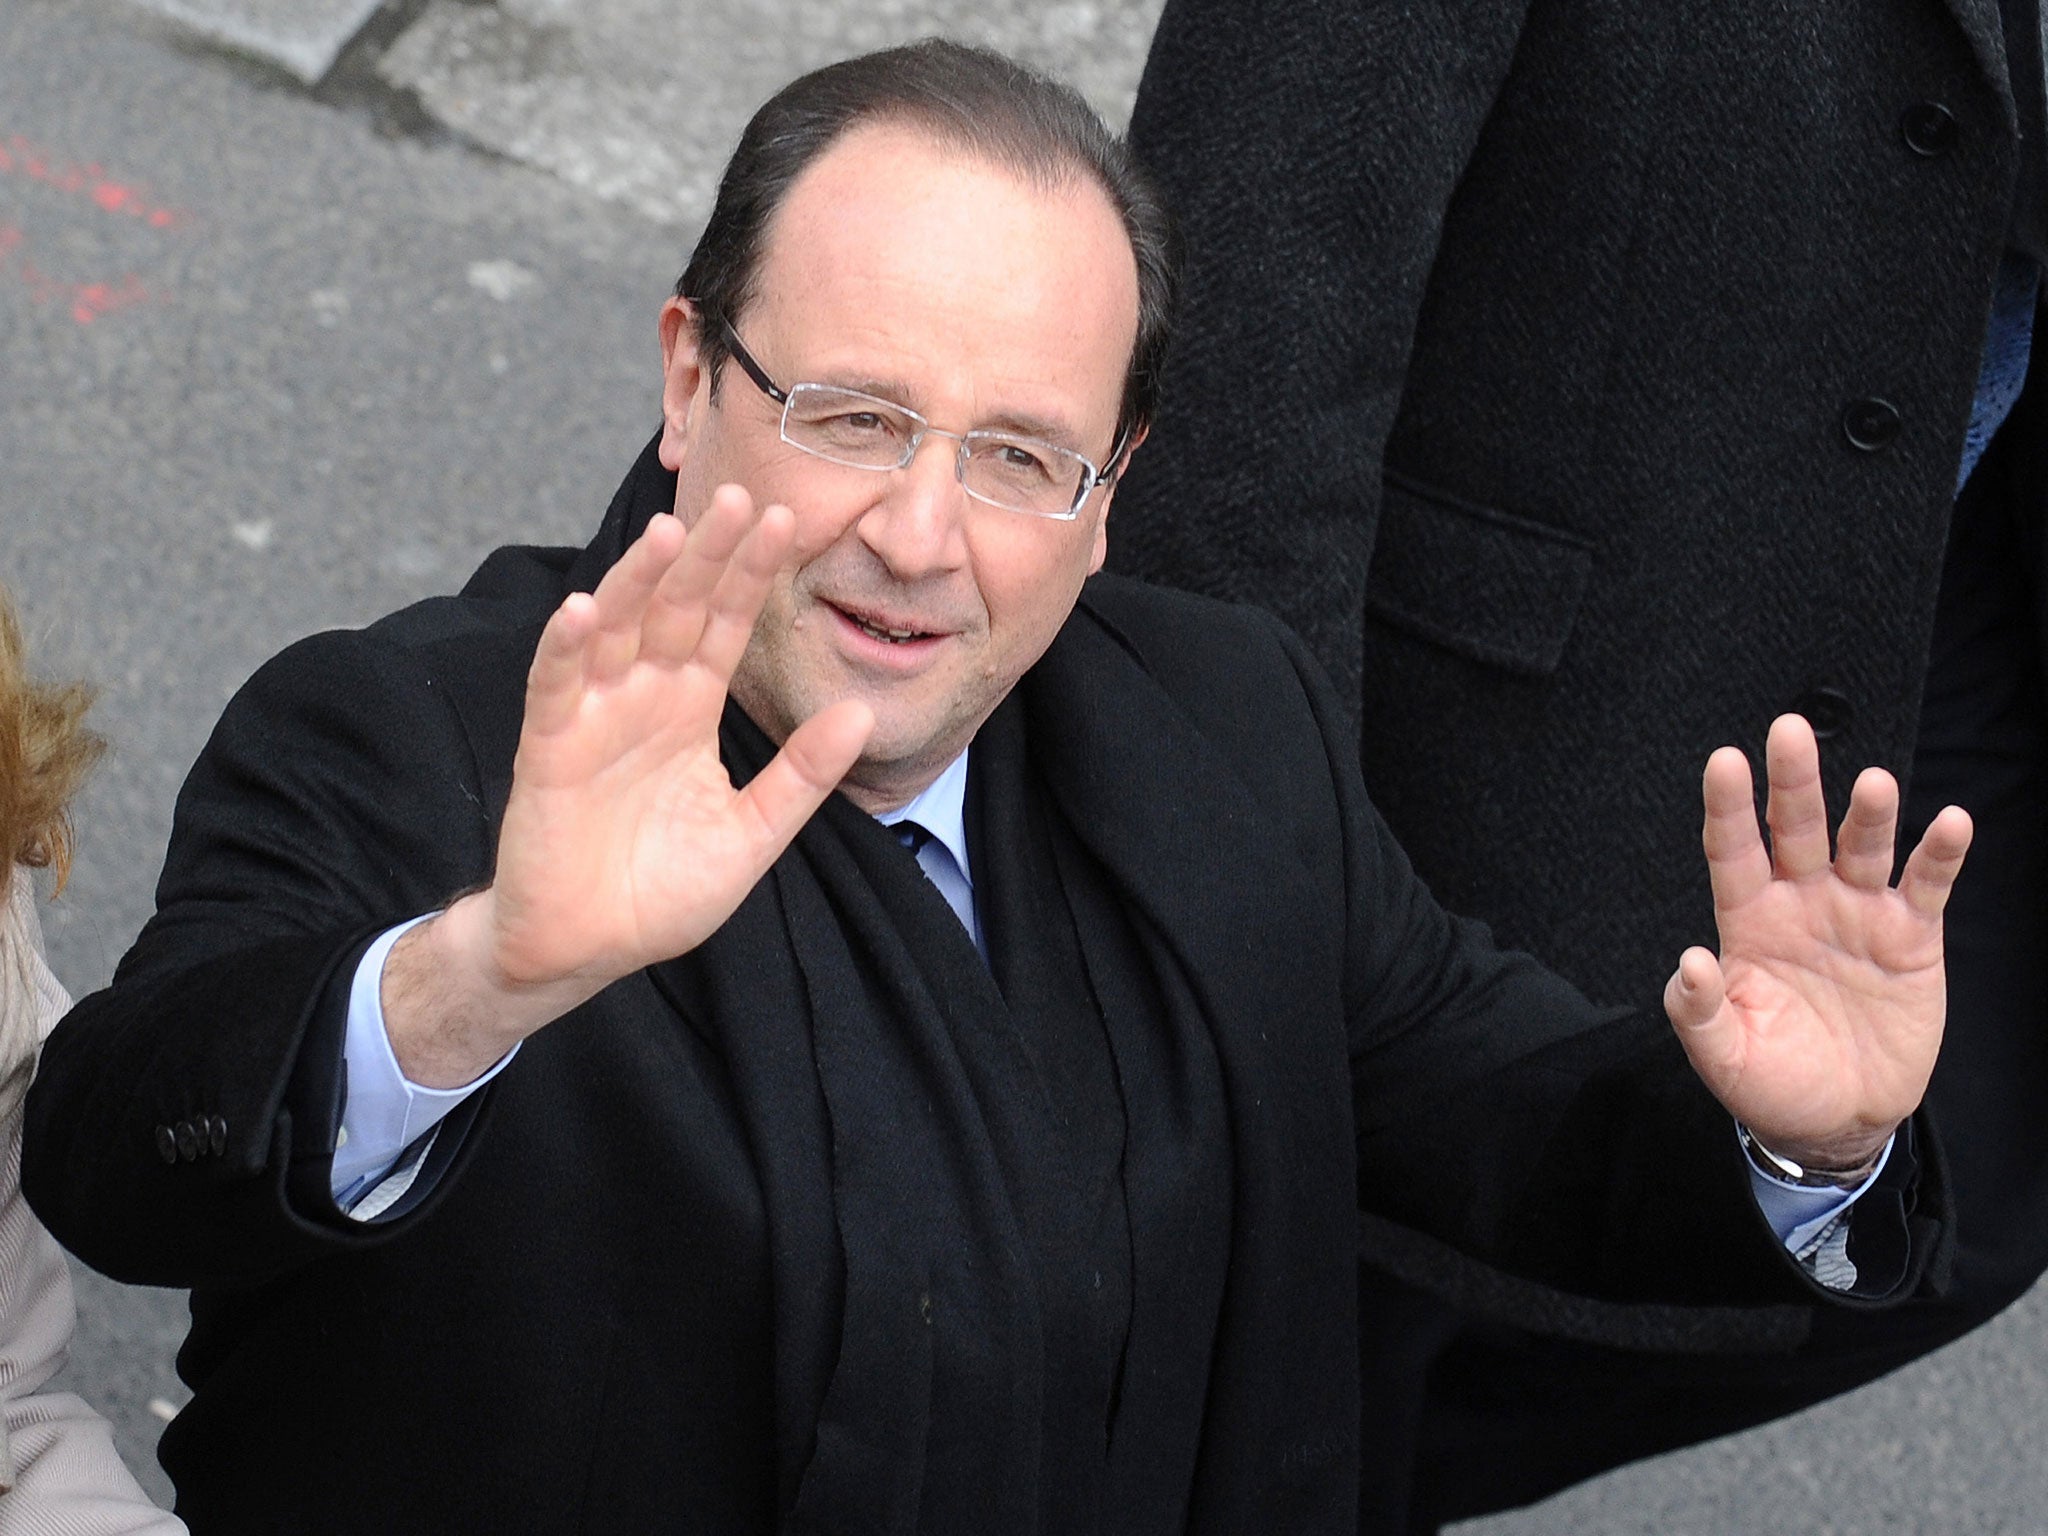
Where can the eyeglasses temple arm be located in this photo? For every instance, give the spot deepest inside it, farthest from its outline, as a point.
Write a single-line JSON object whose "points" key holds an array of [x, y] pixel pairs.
{"points": [[754, 370]]}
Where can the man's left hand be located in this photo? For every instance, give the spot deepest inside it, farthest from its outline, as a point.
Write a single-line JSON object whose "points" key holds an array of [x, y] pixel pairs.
{"points": [[1819, 1024]]}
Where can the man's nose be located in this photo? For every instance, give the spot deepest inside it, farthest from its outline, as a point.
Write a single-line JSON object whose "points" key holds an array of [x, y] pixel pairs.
{"points": [[915, 529]]}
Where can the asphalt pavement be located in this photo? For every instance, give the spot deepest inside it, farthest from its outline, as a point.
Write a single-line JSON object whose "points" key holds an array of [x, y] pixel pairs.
{"points": [[289, 344]]}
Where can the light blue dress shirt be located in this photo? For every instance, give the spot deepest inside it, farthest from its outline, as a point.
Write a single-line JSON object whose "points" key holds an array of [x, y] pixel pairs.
{"points": [[385, 1115], [942, 811]]}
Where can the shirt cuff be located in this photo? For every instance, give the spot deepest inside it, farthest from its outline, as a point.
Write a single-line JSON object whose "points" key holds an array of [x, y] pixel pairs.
{"points": [[383, 1112], [1800, 1215]]}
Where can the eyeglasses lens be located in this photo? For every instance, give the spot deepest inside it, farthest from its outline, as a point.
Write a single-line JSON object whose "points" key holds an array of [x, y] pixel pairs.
{"points": [[863, 432]]}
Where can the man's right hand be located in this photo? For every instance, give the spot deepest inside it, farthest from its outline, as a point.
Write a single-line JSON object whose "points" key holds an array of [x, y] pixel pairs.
{"points": [[624, 842]]}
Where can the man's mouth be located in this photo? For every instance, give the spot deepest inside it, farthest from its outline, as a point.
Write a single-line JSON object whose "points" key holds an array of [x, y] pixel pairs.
{"points": [[876, 629]]}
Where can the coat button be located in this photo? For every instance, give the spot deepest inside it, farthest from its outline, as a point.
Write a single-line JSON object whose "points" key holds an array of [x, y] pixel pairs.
{"points": [[217, 1135], [188, 1141], [167, 1143], [1870, 425], [1827, 710], [1928, 128]]}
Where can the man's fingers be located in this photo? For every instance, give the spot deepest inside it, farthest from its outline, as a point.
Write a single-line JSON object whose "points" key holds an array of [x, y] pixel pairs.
{"points": [[1864, 845], [1737, 864], [809, 767], [736, 604], [677, 611], [1796, 809], [624, 593], [1693, 998], [1931, 870], [554, 683]]}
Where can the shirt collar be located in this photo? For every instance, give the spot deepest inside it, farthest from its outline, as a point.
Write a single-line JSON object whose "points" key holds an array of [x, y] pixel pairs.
{"points": [[942, 811]]}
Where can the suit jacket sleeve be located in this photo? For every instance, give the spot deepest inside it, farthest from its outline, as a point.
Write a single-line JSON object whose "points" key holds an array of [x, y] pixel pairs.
{"points": [[1309, 152], [1502, 1118], [338, 795]]}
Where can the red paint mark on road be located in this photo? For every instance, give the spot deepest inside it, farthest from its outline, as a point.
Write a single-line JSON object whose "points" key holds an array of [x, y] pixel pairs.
{"points": [[21, 157], [91, 300], [85, 301]]}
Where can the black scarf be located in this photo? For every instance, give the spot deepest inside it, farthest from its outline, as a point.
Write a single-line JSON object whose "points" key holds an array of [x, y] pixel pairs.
{"points": [[907, 1137]]}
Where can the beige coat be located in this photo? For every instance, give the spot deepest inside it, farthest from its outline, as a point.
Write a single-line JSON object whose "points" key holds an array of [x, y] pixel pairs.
{"points": [[58, 1468]]}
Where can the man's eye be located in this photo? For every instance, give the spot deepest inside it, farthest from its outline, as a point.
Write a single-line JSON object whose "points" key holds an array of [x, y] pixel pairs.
{"points": [[1020, 463], [856, 431]]}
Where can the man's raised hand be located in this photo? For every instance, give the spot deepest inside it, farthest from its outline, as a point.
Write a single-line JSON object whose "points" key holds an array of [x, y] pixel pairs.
{"points": [[624, 841], [1819, 1024]]}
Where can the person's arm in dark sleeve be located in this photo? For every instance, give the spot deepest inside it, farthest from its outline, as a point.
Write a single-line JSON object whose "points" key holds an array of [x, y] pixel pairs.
{"points": [[1502, 1115], [182, 1127], [1310, 153], [342, 794]]}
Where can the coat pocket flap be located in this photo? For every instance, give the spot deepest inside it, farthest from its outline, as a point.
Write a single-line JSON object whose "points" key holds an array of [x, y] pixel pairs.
{"points": [[1486, 585]]}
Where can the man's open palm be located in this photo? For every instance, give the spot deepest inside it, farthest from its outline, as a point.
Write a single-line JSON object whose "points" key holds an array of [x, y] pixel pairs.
{"points": [[625, 842], [1819, 1024]]}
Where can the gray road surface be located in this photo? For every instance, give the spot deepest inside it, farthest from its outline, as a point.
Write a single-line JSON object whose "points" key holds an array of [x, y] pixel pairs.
{"points": [[277, 359]]}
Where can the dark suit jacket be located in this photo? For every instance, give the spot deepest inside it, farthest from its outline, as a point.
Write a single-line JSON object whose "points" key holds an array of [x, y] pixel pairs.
{"points": [[1529, 369], [575, 1329]]}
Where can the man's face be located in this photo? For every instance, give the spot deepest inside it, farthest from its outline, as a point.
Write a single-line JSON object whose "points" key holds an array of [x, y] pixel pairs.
{"points": [[912, 271]]}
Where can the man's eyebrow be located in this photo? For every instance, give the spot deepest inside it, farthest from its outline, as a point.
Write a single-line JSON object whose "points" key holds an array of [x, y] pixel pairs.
{"points": [[894, 390]]}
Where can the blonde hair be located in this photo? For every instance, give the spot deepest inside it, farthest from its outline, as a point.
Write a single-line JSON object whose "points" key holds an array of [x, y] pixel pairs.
{"points": [[45, 754]]}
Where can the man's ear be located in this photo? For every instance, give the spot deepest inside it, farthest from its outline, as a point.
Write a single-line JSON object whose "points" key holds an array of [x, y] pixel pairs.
{"points": [[1101, 551], [685, 386]]}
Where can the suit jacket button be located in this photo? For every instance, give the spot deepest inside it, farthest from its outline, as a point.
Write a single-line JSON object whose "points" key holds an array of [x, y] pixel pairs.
{"points": [[188, 1141], [217, 1135], [1928, 128], [1871, 425], [1827, 710], [167, 1144]]}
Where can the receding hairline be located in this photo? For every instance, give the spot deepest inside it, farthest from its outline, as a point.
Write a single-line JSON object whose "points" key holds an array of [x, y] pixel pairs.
{"points": [[1032, 158], [1046, 175]]}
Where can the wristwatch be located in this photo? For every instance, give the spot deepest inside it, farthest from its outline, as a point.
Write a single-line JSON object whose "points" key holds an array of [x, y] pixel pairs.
{"points": [[1774, 1165]]}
